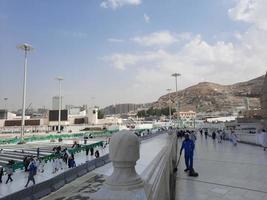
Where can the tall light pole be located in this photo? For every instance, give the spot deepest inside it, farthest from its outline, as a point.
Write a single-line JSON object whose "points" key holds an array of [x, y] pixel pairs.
{"points": [[59, 103], [176, 75], [26, 48], [93, 102], [170, 114], [6, 106]]}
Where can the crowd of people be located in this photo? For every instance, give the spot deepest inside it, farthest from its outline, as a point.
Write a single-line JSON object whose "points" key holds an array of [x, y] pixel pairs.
{"points": [[190, 136], [35, 164]]}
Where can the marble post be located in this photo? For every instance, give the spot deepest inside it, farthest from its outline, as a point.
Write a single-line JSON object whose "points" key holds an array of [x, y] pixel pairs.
{"points": [[124, 183]]}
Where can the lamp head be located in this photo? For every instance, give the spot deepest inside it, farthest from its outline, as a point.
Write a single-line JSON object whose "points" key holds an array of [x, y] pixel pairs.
{"points": [[59, 78], [176, 74], [25, 47]]}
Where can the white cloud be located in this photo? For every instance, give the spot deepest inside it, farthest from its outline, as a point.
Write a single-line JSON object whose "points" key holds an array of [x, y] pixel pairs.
{"points": [[122, 61], [146, 18], [161, 38], [114, 4], [251, 11], [197, 59], [115, 40]]}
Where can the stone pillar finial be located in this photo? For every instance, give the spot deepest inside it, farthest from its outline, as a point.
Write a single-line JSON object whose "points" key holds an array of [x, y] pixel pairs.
{"points": [[124, 183], [124, 152]]}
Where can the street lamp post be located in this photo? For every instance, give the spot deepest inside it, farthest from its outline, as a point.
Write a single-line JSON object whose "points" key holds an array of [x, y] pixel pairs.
{"points": [[93, 101], [176, 75], [26, 48], [59, 103], [6, 106], [170, 114]]}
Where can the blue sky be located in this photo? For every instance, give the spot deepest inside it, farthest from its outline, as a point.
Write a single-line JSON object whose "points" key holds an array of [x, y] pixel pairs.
{"points": [[122, 51]]}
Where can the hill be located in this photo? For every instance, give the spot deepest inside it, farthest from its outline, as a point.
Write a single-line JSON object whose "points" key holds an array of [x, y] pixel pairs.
{"points": [[212, 97]]}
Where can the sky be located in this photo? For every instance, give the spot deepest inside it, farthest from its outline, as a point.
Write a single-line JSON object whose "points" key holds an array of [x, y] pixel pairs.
{"points": [[124, 51]]}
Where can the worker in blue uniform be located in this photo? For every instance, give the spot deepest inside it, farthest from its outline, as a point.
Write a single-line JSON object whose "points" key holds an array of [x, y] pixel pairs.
{"points": [[188, 146]]}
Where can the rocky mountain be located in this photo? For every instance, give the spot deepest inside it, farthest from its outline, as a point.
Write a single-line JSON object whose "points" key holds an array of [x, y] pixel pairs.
{"points": [[212, 97]]}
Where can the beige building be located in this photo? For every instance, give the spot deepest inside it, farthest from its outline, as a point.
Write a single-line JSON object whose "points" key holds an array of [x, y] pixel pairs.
{"points": [[187, 115]]}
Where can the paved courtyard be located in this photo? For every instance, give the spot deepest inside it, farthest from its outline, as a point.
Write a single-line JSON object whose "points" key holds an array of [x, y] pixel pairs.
{"points": [[20, 177], [226, 172]]}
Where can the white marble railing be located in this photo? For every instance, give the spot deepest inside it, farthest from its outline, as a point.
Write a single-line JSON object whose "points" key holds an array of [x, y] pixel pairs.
{"points": [[159, 176], [254, 139]]}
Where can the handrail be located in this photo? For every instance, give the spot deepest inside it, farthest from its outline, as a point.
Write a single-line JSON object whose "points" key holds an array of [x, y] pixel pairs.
{"points": [[158, 176]]}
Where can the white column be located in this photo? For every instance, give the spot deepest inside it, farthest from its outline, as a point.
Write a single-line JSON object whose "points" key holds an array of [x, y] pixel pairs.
{"points": [[24, 96], [170, 111], [26, 48], [59, 107]]}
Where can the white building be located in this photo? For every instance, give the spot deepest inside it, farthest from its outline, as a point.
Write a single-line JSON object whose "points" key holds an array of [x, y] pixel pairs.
{"points": [[92, 114], [55, 103]]}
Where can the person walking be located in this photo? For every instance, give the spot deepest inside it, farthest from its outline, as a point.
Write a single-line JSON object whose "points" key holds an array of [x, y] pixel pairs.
{"points": [[9, 172], [87, 150], [234, 138], [206, 134], [1, 173], [192, 136], [264, 139], [219, 136], [97, 154], [54, 166], [188, 146], [38, 152], [40, 165], [91, 151], [213, 135], [201, 132], [32, 173], [71, 161]]}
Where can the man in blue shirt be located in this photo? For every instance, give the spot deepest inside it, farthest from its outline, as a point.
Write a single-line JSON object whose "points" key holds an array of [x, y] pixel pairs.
{"points": [[188, 146]]}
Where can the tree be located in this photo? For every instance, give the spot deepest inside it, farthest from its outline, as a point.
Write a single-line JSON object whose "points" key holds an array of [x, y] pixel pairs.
{"points": [[100, 114], [155, 112]]}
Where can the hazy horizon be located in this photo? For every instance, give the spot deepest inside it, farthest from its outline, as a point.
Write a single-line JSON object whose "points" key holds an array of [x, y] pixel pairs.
{"points": [[120, 51]]}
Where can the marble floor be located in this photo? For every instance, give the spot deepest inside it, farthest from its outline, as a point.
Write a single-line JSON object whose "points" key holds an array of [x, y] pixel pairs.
{"points": [[226, 172]]}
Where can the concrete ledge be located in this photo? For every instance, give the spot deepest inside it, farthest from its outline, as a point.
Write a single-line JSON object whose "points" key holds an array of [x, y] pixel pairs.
{"points": [[99, 162], [82, 169], [25, 194], [42, 189], [106, 158], [91, 165], [71, 175], [58, 182]]}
